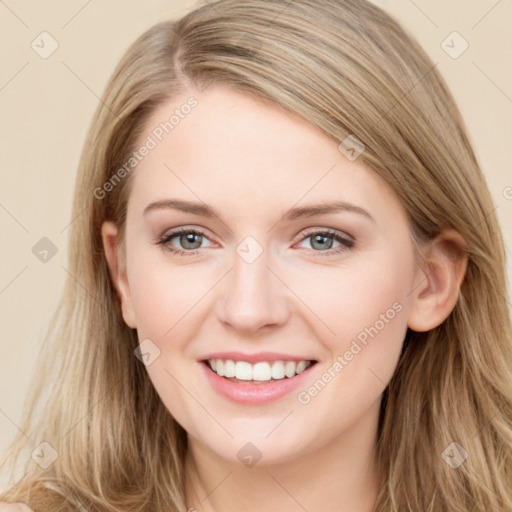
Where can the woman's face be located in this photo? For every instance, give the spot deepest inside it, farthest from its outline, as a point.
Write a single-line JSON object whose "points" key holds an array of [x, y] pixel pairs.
{"points": [[277, 281]]}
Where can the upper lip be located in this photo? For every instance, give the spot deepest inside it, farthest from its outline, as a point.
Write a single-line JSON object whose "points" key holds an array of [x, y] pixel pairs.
{"points": [[256, 357]]}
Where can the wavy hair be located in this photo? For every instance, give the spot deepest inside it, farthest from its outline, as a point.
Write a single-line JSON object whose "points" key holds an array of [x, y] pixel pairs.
{"points": [[348, 68]]}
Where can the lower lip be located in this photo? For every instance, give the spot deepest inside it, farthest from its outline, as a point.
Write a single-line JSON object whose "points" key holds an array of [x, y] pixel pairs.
{"points": [[254, 394]]}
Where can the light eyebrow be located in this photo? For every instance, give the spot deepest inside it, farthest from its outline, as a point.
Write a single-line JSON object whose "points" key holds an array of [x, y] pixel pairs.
{"points": [[205, 210], [185, 206], [324, 208]]}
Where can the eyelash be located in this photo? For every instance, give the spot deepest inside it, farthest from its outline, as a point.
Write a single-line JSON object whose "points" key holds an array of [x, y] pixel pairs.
{"points": [[346, 243]]}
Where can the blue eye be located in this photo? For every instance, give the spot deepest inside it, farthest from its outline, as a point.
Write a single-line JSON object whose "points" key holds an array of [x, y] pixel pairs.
{"points": [[187, 237], [191, 240], [323, 240]]}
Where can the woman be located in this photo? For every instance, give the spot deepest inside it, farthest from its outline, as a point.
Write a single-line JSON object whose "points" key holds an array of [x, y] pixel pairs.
{"points": [[292, 281]]}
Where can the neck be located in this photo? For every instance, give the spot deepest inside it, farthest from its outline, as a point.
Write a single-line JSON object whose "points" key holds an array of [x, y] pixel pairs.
{"points": [[342, 476]]}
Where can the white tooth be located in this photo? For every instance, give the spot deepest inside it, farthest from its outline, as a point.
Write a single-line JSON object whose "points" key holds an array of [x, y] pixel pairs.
{"points": [[278, 370], [229, 368], [301, 366], [213, 364], [243, 370], [220, 367], [261, 371], [289, 368]]}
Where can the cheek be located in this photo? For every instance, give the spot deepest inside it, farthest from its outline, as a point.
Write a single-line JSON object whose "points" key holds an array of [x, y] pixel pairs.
{"points": [[358, 294], [363, 362], [165, 294], [164, 297], [362, 322]]}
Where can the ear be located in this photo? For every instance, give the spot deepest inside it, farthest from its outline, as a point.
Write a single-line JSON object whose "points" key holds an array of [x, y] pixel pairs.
{"points": [[116, 261], [438, 280]]}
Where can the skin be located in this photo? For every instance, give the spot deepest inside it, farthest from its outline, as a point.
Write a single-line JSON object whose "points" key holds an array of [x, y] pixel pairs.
{"points": [[252, 162]]}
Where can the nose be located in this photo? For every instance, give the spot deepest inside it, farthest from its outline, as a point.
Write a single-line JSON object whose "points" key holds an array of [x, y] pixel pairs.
{"points": [[253, 297]]}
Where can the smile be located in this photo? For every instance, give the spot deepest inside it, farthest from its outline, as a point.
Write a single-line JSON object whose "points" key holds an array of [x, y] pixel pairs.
{"points": [[264, 380], [261, 372]]}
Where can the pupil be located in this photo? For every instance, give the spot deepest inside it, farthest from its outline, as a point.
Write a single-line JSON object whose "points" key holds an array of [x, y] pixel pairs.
{"points": [[189, 238], [322, 239]]}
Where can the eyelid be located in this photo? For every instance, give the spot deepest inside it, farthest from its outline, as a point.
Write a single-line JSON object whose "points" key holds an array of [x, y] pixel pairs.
{"points": [[324, 230], [174, 232]]}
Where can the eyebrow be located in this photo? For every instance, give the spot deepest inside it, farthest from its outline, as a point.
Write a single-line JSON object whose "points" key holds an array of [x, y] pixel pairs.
{"points": [[205, 210]]}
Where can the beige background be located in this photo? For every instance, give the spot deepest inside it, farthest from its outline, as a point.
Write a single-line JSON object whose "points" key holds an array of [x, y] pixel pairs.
{"points": [[46, 106]]}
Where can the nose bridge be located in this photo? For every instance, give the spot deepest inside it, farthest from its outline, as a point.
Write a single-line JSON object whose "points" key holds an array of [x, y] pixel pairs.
{"points": [[253, 296]]}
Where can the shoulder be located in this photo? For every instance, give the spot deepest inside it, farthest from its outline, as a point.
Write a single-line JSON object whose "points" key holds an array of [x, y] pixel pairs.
{"points": [[14, 507]]}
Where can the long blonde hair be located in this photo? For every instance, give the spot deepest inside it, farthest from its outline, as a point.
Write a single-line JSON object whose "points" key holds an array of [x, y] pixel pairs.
{"points": [[347, 67]]}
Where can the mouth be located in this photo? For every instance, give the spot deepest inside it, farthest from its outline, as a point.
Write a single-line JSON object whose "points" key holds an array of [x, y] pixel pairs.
{"points": [[259, 373]]}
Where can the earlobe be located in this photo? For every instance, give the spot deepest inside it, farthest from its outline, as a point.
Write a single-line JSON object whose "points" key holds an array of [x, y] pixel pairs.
{"points": [[116, 262], [437, 282]]}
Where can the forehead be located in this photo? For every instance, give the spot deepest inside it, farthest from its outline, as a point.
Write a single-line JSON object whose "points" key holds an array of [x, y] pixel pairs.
{"points": [[224, 147]]}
